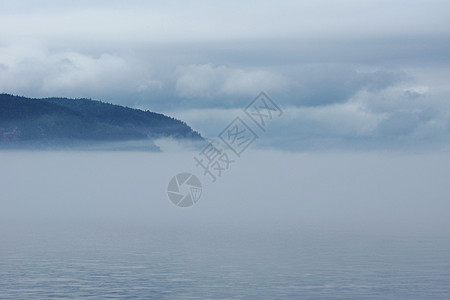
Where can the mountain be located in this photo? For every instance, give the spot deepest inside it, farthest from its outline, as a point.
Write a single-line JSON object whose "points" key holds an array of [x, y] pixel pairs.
{"points": [[57, 122]]}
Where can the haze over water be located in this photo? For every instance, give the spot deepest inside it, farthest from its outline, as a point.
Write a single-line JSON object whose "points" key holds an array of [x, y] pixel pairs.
{"points": [[277, 225]]}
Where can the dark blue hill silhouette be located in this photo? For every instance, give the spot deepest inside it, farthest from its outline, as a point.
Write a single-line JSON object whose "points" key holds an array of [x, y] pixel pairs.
{"points": [[61, 121]]}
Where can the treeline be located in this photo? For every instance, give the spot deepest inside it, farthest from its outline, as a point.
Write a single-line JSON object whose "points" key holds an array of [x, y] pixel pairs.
{"points": [[26, 119]]}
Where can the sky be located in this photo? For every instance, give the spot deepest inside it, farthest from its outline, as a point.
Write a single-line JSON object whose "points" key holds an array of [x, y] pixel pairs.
{"points": [[347, 74]]}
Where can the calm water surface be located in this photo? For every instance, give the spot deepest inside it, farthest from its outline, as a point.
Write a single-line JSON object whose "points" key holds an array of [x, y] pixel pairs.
{"points": [[95, 261]]}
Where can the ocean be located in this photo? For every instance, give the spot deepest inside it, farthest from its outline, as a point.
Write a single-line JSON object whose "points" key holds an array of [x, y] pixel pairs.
{"points": [[98, 261]]}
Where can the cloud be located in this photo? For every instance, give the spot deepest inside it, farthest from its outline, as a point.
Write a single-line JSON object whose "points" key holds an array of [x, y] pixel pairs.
{"points": [[73, 70], [202, 20], [210, 121], [399, 123], [37, 71], [306, 85], [205, 81], [296, 125], [371, 118], [325, 84]]}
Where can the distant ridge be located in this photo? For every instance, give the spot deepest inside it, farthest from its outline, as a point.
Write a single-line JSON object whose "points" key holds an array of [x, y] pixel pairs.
{"points": [[56, 122]]}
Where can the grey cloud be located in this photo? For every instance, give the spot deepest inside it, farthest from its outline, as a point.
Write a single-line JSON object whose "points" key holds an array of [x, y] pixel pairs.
{"points": [[202, 20], [38, 72], [382, 51], [325, 84], [205, 81], [399, 124], [380, 79], [358, 122]]}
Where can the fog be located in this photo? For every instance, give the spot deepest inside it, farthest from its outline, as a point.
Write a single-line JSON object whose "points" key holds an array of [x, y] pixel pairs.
{"points": [[351, 191]]}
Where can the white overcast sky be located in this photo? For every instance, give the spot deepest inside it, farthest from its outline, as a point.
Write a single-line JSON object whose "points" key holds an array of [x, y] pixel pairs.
{"points": [[347, 73]]}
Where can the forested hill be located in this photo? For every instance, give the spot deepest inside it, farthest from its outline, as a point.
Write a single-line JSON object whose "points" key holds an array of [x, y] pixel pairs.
{"points": [[60, 120]]}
